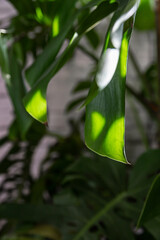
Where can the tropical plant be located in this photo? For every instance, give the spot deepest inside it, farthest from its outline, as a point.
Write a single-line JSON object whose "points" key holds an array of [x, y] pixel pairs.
{"points": [[79, 194]]}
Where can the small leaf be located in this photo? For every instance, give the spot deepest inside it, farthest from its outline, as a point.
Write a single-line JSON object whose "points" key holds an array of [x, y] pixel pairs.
{"points": [[81, 86], [73, 104]]}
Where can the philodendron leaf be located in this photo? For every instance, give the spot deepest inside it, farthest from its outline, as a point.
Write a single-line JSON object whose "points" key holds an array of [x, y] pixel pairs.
{"points": [[104, 126], [151, 207], [35, 101]]}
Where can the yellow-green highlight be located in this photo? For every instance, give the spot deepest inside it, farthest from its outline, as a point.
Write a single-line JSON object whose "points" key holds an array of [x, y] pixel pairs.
{"points": [[55, 26], [123, 57], [37, 107], [98, 121], [39, 13], [113, 143]]}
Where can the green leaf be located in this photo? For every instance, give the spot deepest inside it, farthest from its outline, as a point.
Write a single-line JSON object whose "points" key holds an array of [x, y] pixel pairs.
{"points": [[93, 38], [110, 205], [98, 168], [67, 14], [11, 72], [24, 6], [43, 62], [35, 101], [40, 213], [145, 17], [145, 169], [74, 103], [82, 86], [151, 207], [153, 227], [104, 126]]}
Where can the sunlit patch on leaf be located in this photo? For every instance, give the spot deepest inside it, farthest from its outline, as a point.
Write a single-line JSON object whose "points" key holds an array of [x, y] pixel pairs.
{"points": [[123, 57], [98, 122], [55, 26], [111, 143], [39, 13], [36, 105], [107, 93]]}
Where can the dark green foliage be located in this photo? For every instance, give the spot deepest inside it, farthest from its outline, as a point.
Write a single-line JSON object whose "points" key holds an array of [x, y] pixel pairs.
{"points": [[78, 194]]}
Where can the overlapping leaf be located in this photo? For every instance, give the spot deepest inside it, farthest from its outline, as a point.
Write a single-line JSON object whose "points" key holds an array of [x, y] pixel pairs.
{"points": [[35, 101], [104, 126]]}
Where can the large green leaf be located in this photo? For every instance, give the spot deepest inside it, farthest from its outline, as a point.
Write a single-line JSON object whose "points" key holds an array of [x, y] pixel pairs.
{"points": [[104, 126], [151, 207], [11, 72], [35, 101]]}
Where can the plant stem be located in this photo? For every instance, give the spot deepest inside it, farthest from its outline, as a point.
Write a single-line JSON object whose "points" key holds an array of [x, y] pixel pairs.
{"points": [[100, 214]]}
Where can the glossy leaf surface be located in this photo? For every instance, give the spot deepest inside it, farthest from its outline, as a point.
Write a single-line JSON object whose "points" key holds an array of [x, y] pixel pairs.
{"points": [[104, 126]]}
